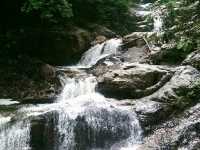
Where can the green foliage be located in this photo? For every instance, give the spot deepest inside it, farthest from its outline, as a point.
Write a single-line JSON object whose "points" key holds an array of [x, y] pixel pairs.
{"points": [[50, 10], [183, 23], [185, 44], [37, 18], [110, 13]]}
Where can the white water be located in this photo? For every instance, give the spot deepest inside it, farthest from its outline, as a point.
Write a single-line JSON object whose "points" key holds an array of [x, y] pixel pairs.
{"points": [[77, 100], [15, 137], [145, 10], [158, 22], [99, 51]]}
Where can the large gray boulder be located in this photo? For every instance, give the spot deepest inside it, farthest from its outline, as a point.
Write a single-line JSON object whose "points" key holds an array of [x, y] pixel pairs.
{"points": [[181, 91], [133, 80]]}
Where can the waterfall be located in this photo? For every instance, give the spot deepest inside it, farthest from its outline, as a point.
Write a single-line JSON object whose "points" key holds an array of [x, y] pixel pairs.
{"points": [[145, 10], [86, 107], [15, 136], [100, 51], [80, 118], [158, 22]]}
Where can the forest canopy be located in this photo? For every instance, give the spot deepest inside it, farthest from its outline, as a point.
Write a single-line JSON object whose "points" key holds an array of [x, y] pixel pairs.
{"points": [[63, 11]]}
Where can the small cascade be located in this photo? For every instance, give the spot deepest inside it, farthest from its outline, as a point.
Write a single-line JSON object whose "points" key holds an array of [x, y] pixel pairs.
{"points": [[145, 10], [158, 22], [80, 118], [77, 87], [15, 136], [100, 51]]}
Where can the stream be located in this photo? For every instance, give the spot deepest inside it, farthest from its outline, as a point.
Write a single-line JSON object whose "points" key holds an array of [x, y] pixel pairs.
{"points": [[80, 118]]}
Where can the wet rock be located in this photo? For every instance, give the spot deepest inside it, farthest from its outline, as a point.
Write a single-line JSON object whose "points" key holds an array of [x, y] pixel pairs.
{"points": [[179, 92], [193, 59], [181, 132], [94, 128], [133, 80], [150, 113], [101, 128], [181, 82], [149, 36], [98, 40], [106, 64], [136, 54], [42, 132], [139, 46], [47, 72]]}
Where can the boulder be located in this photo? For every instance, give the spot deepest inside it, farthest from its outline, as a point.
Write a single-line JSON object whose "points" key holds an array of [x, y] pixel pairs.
{"points": [[139, 46], [101, 30], [181, 132], [92, 128], [47, 72], [181, 82], [179, 92], [98, 40], [150, 113], [193, 59], [133, 80], [167, 54]]}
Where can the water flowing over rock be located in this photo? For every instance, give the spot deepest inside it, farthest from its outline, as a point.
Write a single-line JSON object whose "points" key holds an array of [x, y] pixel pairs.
{"points": [[100, 51], [158, 22], [15, 136], [80, 118], [113, 99]]}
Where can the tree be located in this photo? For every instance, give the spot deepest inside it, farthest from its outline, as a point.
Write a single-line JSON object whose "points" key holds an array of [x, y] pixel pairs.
{"points": [[183, 19], [54, 11]]}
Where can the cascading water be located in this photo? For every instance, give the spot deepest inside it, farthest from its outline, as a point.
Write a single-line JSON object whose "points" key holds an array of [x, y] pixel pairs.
{"points": [[145, 10], [100, 51], [80, 118], [16, 136], [158, 22]]}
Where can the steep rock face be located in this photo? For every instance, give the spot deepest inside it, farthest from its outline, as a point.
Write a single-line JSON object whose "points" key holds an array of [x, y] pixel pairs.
{"points": [[172, 97], [181, 132], [133, 80]]}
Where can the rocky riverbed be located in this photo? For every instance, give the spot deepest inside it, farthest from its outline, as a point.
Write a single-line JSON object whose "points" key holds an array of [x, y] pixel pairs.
{"points": [[124, 93]]}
